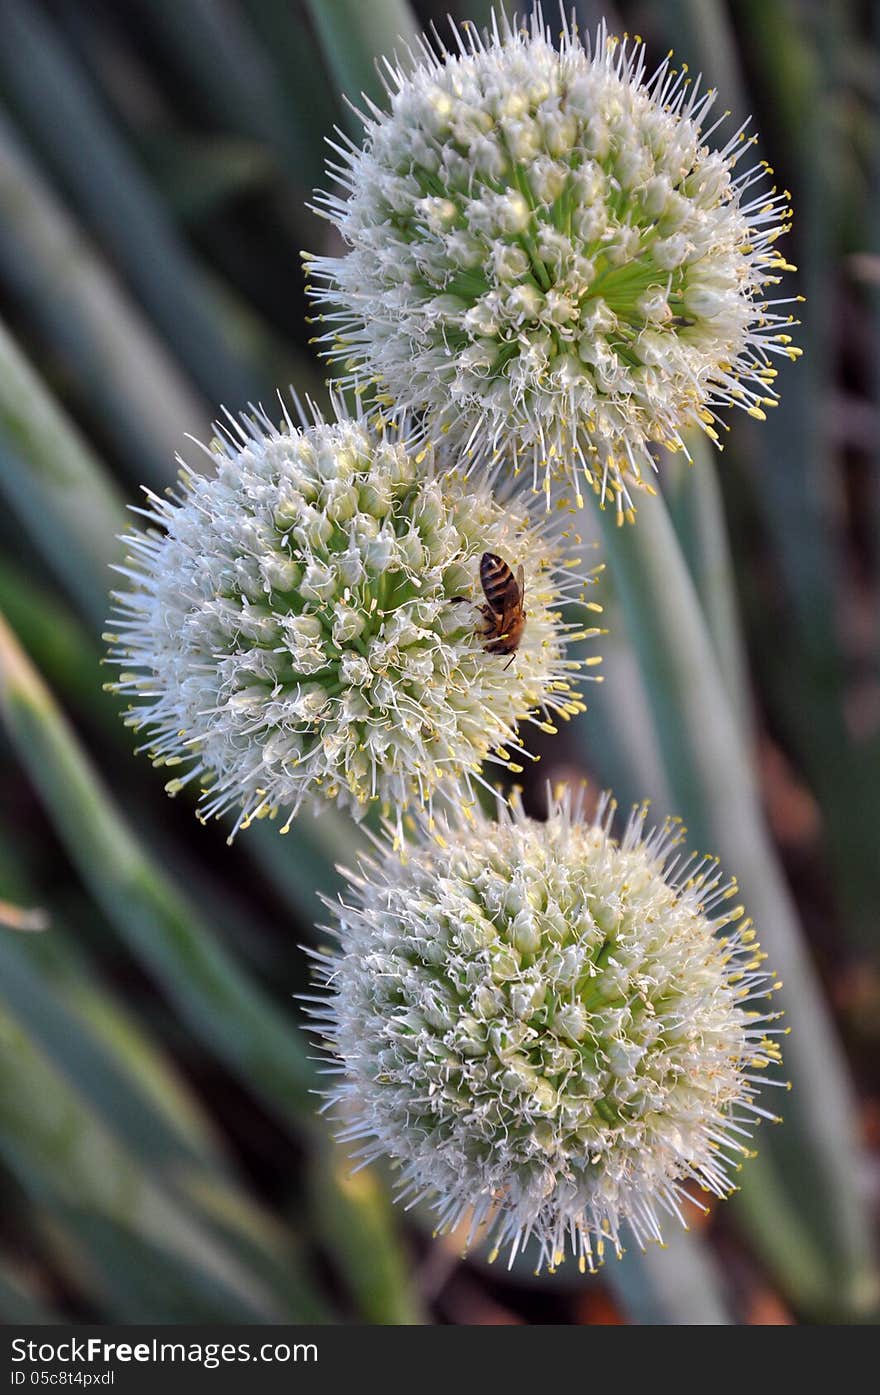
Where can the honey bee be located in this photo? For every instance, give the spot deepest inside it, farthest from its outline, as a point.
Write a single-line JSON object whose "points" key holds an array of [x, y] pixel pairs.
{"points": [[503, 612]]}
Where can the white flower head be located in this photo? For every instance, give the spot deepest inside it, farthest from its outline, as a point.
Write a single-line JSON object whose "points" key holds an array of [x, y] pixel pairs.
{"points": [[549, 1033], [308, 623], [546, 256]]}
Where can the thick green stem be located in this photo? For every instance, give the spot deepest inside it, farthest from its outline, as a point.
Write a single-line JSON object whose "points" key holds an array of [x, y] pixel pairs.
{"points": [[712, 782], [680, 1285], [697, 511], [354, 1220]]}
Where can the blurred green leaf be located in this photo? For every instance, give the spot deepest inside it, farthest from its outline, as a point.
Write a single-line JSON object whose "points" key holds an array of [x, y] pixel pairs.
{"points": [[61, 648], [772, 1219], [615, 736], [353, 1216], [152, 1260], [798, 489], [119, 367], [354, 36], [225, 1009], [710, 777], [704, 37], [55, 485], [129, 1085], [696, 507], [93, 163], [144, 1125], [303, 869], [283, 29], [199, 178], [212, 47], [270, 1251], [795, 463], [677, 1284], [140, 1280], [20, 1304]]}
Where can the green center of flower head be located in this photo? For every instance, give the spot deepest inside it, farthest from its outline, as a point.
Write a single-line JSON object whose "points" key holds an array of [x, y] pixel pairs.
{"points": [[299, 629], [540, 1020], [355, 540], [542, 241], [620, 284]]}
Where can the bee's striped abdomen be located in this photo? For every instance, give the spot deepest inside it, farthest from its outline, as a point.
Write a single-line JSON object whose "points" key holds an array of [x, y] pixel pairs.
{"points": [[503, 612], [497, 581]]}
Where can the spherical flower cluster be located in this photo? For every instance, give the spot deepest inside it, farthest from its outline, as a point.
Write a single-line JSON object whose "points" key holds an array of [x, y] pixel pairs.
{"points": [[308, 623], [549, 1033], [545, 256]]}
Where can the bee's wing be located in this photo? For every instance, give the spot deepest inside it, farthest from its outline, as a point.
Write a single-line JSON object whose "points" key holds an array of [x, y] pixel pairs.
{"points": [[521, 583]]}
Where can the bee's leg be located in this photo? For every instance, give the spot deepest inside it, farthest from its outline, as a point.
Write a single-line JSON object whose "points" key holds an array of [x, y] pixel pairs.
{"points": [[510, 661]]}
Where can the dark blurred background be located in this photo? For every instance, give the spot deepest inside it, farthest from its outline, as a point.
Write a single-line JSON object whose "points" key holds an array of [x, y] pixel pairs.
{"points": [[160, 1156]]}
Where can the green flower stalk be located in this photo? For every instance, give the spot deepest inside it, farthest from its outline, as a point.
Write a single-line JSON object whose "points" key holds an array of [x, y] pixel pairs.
{"points": [[308, 624], [551, 1034], [548, 259]]}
